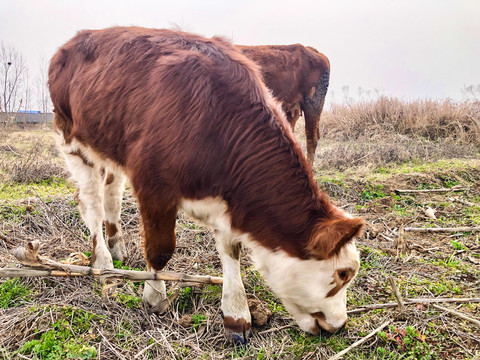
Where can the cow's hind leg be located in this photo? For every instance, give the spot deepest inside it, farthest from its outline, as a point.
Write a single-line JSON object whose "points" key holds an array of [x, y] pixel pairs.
{"points": [[113, 183], [88, 179], [313, 106], [237, 318], [312, 133]]}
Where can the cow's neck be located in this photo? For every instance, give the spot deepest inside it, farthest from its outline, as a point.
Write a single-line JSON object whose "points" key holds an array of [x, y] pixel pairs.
{"points": [[276, 200]]}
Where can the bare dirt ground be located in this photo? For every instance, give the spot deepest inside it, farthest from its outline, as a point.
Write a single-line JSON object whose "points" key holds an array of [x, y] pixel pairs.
{"points": [[51, 318]]}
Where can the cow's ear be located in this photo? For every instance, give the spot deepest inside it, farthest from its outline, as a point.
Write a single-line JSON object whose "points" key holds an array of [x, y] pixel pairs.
{"points": [[330, 235]]}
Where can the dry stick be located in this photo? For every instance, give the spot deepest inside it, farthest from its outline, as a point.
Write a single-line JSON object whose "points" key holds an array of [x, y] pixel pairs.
{"points": [[405, 191], [361, 341], [276, 329], [29, 256], [459, 229], [464, 202], [401, 306], [75, 270], [458, 314], [411, 302]]}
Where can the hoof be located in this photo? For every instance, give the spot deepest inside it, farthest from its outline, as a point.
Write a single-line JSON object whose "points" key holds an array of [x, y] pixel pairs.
{"points": [[116, 246], [240, 339], [155, 296], [237, 331], [102, 261]]}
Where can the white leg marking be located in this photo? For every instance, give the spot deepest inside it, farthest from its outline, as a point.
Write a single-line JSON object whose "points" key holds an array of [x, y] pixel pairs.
{"points": [[154, 292], [214, 212], [86, 175], [113, 189], [234, 299]]}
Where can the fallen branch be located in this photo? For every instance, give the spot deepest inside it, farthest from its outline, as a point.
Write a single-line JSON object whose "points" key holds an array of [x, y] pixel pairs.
{"points": [[29, 256], [405, 191], [458, 314], [361, 341], [411, 302], [464, 202], [459, 229], [76, 271]]}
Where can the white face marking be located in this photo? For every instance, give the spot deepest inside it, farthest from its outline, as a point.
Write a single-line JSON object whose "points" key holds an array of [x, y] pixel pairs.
{"points": [[303, 285]]}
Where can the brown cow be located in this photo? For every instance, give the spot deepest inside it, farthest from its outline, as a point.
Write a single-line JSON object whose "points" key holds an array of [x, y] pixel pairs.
{"points": [[189, 121], [298, 76]]}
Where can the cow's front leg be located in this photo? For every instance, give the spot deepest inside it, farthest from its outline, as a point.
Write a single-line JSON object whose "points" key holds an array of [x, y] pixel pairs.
{"points": [[236, 315], [159, 244]]}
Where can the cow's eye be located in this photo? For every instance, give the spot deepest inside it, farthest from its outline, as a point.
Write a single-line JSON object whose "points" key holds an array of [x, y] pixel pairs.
{"points": [[343, 275]]}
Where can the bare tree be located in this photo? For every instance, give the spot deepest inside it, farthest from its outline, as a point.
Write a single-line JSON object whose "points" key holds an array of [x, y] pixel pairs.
{"points": [[12, 69], [41, 85], [471, 92]]}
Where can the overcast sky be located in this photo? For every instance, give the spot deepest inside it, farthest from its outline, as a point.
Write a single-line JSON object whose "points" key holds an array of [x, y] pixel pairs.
{"points": [[407, 48]]}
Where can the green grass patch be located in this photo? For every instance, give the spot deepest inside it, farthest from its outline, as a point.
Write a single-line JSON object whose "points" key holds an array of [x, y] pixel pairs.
{"points": [[184, 299], [372, 192], [302, 343], [416, 286], [212, 294], [70, 336], [46, 189], [406, 343], [14, 292], [197, 320]]}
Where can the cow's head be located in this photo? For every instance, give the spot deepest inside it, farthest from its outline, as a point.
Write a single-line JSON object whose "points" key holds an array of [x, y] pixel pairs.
{"points": [[313, 290]]}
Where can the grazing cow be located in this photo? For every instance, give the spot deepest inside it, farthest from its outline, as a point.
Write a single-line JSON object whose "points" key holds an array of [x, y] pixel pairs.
{"points": [[189, 121], [297, 76]]}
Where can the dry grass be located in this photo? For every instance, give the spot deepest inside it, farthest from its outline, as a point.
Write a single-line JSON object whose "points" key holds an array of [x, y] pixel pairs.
{"points": [[429, 119], [35, 204], [388, 130]]}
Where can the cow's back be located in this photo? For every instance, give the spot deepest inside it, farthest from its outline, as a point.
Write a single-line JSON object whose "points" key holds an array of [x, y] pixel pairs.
{"points": [[290, 71], [116, 88]]}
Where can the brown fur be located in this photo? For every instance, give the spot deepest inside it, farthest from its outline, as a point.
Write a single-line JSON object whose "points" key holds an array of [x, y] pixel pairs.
{"points": [[94, 245], [110, 229], [341, 277], [298, 76], [81, 156], [109, 179], [189, 117], [239, 326], [321, 320]]}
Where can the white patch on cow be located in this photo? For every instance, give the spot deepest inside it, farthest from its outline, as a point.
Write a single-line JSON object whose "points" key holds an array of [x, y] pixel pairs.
{"points": [[210, 211], [90, 186], [303, 285]]}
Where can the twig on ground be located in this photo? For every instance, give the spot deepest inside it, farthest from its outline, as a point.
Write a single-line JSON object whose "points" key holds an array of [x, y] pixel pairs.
{"points": [[461, 201], [400, 243], [361, 341], [276, 329], [406, 191], [411, 302], [458, 314], [459, 229], [401, 306], [386, 237]]}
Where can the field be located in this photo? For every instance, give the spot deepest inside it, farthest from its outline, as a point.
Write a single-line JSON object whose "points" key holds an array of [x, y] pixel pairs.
{"points": [[367, 151]]}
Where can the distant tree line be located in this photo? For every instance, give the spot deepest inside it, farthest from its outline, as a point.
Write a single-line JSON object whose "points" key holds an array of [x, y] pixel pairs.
{"points": [[18, 92]]}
